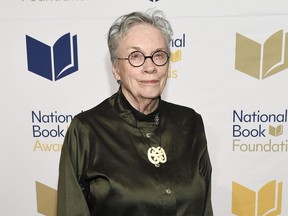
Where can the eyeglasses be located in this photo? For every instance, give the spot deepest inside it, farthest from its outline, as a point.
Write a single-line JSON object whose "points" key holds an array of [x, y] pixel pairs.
{"points": [[137, 58]]}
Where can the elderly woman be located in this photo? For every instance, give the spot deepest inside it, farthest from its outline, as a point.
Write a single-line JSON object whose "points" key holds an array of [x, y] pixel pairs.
{"points": [[135, 154]]}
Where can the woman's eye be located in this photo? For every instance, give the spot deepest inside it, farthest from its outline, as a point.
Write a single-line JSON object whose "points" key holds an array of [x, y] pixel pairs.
{"points": [[136, 55], [159, 55]]}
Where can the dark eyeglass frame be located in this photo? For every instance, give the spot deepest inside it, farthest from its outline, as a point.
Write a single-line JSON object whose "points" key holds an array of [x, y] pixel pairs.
{"points": [[145, 57]]}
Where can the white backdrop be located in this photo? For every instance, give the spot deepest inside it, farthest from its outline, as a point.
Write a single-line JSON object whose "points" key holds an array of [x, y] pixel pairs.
{"points": [[204, 78]]}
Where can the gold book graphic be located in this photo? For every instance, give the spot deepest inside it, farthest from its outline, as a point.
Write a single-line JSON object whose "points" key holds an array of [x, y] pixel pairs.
{"points": [[262, 61], [246, 202], [276, 131], [176, 56], [46, 199]]}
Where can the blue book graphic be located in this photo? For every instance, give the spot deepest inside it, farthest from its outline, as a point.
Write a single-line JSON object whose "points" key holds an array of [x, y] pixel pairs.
{"points": [[54, 62]]}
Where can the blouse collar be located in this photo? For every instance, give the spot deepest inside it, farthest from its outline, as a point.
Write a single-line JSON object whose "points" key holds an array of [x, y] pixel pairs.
{"points": [[129, 113]]}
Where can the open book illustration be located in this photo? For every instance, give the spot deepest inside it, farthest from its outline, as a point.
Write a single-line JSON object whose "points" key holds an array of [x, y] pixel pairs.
{"points": [[262, 61], [46, 199], [176, 56], [54, 62], [276, 131], [267, 202]]}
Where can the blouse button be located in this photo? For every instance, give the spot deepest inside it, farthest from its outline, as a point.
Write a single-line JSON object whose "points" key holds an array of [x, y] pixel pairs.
{"points": [[148, 135], [168, 191]]}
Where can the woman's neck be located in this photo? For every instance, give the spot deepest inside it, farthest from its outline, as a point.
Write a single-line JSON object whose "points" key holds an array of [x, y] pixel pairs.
{"points": [[143, 105]]}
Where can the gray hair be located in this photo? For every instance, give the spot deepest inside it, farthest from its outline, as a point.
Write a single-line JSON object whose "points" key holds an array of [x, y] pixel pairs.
{"points": [[122, 25]]}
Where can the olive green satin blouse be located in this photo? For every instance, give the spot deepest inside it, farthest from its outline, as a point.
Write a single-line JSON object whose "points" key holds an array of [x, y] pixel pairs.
{"points": [[104, 168]]}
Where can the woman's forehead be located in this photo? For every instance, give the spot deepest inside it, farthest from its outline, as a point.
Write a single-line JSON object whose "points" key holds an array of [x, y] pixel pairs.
{"points": [[142, 34]]}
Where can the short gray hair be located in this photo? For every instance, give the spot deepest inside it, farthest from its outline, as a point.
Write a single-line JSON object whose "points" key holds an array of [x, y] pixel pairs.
{"points": [[122, 25]]}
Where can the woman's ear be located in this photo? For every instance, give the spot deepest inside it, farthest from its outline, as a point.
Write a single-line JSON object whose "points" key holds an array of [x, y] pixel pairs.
{"points": [[115, 72]]}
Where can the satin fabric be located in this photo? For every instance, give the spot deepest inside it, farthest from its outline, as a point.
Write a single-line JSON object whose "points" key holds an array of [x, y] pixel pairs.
{"points": [[104, 169]]}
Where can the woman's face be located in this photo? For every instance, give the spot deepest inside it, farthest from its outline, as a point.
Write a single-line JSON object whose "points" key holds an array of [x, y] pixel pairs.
{"points": [[148, 80]]}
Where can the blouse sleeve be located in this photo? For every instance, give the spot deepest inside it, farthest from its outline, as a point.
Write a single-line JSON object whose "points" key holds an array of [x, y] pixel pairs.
{"points": [[207, 178], [71, 199], [205, 170]]}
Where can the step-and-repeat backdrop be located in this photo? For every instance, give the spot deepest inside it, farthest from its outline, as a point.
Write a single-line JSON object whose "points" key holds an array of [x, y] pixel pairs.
{"points": [[229, 62]]}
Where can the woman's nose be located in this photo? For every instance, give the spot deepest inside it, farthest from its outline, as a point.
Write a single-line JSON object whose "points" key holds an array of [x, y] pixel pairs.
{"points": [[149, 66]]}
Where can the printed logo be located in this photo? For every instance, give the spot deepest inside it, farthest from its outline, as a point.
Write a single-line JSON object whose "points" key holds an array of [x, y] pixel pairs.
{"points": [[46, 199], [262, 61], [56, 1], [258, 131], [246, 202], [48, 130], [176, 54], [52, 62]]}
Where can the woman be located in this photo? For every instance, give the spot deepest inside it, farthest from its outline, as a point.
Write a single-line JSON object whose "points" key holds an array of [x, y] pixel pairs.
{"points": [[135, 154]]}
